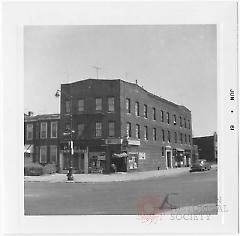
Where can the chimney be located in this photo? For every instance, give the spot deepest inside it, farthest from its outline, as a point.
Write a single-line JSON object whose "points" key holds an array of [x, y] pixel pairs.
{"points": [[136, 81], [30, 113]]}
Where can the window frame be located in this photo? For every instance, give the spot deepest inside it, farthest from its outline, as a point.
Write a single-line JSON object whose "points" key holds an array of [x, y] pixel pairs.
{"points": [[97, 105], [98, 129], [28, 125], [145, 111], [54, 122], [83, 127], [137, 111], [67, 106], [138, 134], [154, 113], [162, 115], [41, 137], [128, 105], [56, 153], [129, 129], [40, 153], [113, 128], [146, 133], [163, 135], [111, 105], [168, 118], [154, 134], [82, 106]]}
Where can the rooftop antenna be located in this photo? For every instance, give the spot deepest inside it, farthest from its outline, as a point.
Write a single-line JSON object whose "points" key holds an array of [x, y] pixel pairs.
{"points": [[97, 69]]}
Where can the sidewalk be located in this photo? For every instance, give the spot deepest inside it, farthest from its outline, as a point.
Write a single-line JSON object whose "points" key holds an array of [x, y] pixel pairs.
{"points": [[117, 177]]}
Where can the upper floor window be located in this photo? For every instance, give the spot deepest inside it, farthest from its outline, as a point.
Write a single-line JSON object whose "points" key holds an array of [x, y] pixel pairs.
{"points": [[53, 153], [68, 106], [98, 104], [111, 105], [189, 124], [154, 134], [154, 113], [181, 138], [163, 152], [145, 111], [180, 121], [185, 138], [128, 105], [29, 131], [175, 137], [163, 135], [54, 126], [80, 104], [43, 154], [189, 139], [145, 132], [174, 119], [185, 123], [43, 132], [169, 137], [162, 115], [80, 130], [129, 130], [137, 131], [137, 108], [168, 118], [98, 129], [111, 128]]}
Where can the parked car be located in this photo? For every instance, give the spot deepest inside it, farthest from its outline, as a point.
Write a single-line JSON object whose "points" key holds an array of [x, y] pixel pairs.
{"points": [[200, 165]]}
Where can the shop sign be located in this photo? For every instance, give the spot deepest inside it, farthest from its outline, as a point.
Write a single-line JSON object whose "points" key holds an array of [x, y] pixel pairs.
{"points": [[134, 142], [80, 151], [141, 155], [101, 158], [113, 141]]}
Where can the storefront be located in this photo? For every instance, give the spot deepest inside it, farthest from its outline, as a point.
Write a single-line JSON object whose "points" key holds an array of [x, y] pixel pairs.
{"points": [[97, 162]]}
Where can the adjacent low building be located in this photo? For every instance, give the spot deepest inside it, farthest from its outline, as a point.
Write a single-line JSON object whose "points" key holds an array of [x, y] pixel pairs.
{"points": [[117, 123], [207, 147]]}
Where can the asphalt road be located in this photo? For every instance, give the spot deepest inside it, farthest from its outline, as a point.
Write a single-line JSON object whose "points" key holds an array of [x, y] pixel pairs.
{"points": [[133, 197]]}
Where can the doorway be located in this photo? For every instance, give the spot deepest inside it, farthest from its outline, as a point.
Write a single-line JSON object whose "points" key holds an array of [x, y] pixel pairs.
{"points": [[169, 159]]}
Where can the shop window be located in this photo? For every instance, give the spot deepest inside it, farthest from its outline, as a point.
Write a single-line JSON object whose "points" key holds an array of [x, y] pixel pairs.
{"points": [[29, 131], [138, 131], [129, 130], [68, 106], [98, 104], [137, 108], [145, 111], [43, 130], [154, 134], [54, 126], [43, 154], [111, 129], [128, 105], [111, 104], [80, 104], [53, 153], [145, 132], [98, 129]]}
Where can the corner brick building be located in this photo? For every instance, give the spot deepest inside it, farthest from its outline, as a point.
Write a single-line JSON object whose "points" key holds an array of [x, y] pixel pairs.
{"points": [[120, 123]]}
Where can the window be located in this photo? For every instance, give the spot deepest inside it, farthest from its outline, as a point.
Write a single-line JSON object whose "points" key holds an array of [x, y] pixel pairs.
{"points": [[80, 104], [111, 106], [54, 128], [67, 127], [189, 125], [98, 132], [43, 130], [163, 135], [29, 131], [145, 132], [174, 119], [137, 108], [154, 113], [98, 104], [138, 131], [185, 138], [189, 139], [168, 118], [175, 137], [111, 128], [180, 121], [128, 105], [181, 138], [162, 115], [129, 130], [80, 129], [185, 123], [43, 154], [53, 153], [37, 131], [163, 154], [145, 111], [67, 106], [169, 137], [154, 134]]}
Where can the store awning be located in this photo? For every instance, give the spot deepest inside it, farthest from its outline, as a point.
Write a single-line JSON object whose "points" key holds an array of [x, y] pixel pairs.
{"points": [[121, 155], [28, 148]]}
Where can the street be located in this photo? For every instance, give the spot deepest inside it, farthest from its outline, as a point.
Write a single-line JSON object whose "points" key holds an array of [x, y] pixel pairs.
{"points": [[116, 198]]}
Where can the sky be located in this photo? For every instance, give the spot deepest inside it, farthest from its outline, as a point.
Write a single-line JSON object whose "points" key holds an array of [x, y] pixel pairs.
{"points": [[176, 62]]}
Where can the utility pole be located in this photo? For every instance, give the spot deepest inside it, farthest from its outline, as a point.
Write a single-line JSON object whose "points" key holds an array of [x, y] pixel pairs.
{"points": [[97, 69]]}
